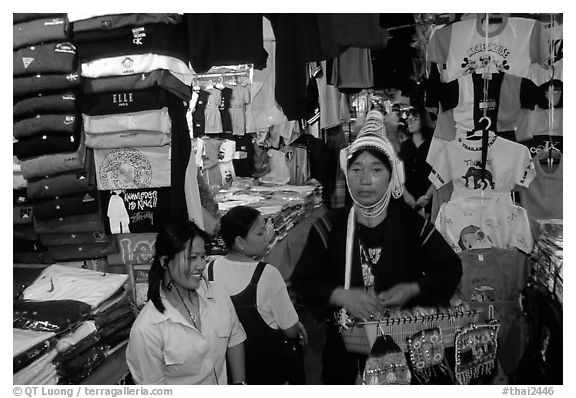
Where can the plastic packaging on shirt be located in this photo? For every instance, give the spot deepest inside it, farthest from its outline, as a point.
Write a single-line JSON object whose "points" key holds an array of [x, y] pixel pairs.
{"points": [[30, 345], [78, 368], [80, 347], [49, 316], [59, 282]]}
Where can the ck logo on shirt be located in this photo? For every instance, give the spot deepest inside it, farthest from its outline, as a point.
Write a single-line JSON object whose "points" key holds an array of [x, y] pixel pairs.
{"points": [[139, 34]]}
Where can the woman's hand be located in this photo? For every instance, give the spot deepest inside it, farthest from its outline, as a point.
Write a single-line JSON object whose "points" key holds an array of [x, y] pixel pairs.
{"points": [[302, 334], [357, 302], [422, 201], [398, 295]]}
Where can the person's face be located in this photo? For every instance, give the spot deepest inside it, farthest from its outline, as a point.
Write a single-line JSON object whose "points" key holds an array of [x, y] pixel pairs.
{"points": [[368, 179], [256, 240], [187, 266], [414, 123]]}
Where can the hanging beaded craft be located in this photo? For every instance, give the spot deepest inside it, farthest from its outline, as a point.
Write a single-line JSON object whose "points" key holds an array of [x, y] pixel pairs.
{"points": [[426, 352], [386, 366], [476, 346]]}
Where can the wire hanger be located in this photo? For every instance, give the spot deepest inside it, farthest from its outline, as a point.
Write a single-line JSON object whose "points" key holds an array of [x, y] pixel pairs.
{"points": [[220, 84]]}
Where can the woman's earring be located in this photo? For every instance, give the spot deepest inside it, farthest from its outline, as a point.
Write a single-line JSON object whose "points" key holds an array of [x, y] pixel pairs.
{"points": [[169, 285]]}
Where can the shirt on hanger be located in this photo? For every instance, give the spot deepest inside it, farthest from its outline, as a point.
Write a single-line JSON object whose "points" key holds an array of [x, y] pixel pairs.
{"points": [[508, 99], [225, 157], [458, 48], [279, 172], [213, 120], [238, 101], [298, 164], [543, 199], [476, 223], [508, 164]]}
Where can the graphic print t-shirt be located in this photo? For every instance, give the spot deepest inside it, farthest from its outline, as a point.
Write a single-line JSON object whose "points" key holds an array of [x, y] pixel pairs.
{"points": [[476, 223], [508, 164], [133, 168], [459, 48], [143, 209]]}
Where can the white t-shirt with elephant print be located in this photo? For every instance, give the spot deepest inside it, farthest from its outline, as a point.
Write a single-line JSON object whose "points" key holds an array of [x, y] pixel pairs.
{"points": [[459, 161], [476, 223]]}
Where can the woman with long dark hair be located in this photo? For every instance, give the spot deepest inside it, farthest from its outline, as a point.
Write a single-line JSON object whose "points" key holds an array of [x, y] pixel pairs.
{"points": [[413, 152], [188, 332]]}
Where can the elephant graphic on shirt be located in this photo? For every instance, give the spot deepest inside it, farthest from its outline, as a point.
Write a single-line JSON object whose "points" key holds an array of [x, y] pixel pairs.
{"points": [[476, 174]]}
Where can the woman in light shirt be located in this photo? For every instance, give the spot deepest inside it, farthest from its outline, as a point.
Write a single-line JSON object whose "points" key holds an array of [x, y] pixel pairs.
{"points": [[188, 331], [261, 299]]}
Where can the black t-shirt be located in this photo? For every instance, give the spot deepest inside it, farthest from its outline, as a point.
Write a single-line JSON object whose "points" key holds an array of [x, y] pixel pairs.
{"points": [[416, 168]]}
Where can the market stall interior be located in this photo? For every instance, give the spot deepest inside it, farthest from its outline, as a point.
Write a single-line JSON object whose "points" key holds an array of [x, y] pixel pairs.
{"points": [[125, 121]]}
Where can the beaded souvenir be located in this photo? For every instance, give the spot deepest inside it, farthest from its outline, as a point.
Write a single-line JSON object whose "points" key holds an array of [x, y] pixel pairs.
{"points": [[386, 364], [426, 352], [476, 347]]}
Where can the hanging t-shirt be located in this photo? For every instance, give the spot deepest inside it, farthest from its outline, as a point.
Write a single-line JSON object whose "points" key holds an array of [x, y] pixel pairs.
{"points": [[225, 157], [199, 152], [225, 96], [279, 172], [507, 103], [497, 277], [493, 274], [351, 71], [543, 199], [240, 98], [198, 119], [135, 210], [508, 164], [476, 223], [213, 121], [297, 161], [459, 48], [334, 109], [244, 156], [546, 118], [210, 168], [132, 168]]}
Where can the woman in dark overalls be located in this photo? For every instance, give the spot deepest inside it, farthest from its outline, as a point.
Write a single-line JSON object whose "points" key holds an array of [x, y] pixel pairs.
{"points": [[260, 298]]}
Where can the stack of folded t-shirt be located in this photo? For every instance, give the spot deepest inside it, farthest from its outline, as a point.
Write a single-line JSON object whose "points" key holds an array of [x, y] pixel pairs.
{"points": [[49, 143], [136, 85], [33, 356], [89, 312]]}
